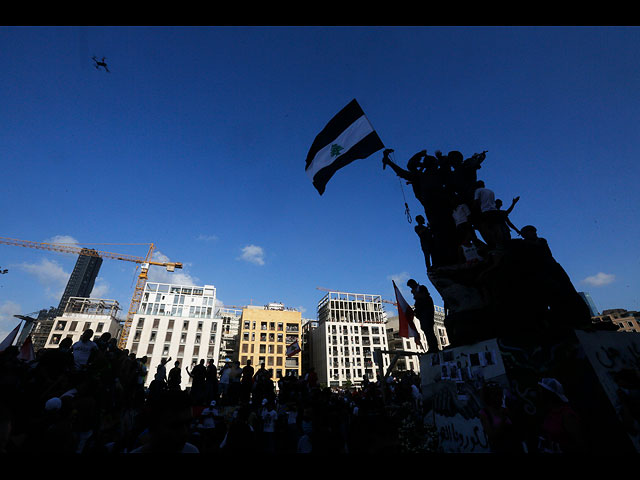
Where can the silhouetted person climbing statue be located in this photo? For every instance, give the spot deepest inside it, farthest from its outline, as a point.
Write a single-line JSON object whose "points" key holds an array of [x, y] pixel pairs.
{"points": [[426, 239], [504, 218], [424, 312], [100, 63]]}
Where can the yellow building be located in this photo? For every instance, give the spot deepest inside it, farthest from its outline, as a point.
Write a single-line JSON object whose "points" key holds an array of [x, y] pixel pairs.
{"points": [[265, 334]]}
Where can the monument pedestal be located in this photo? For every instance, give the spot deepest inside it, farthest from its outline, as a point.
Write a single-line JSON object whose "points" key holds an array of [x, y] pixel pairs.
{"points": [[600, 373]]}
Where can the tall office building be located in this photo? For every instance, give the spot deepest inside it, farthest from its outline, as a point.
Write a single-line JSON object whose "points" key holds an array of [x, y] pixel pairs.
{"points": [[82, 279], [266, 333], [349, 335], [590, 303], [177, 322]]}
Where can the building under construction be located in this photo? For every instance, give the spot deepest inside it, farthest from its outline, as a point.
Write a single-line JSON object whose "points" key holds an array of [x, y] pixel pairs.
{"points": [[349, 333], [81, 314]]}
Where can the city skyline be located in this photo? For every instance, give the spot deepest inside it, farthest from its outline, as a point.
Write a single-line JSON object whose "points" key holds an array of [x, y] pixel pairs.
{"points": [[195, 140]]}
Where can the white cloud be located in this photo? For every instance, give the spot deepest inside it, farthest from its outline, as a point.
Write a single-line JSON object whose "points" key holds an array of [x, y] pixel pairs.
{"points": [[50, 275], [161, 275], [253, 254], [100, 289], [599, 279], [399, 278], [207, 238], [62, 239]]}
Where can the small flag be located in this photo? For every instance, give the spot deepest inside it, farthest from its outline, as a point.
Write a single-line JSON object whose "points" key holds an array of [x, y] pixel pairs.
{"points": [[7, 342], [26, 351], [293, 349], [407, 328], [347, 137]]}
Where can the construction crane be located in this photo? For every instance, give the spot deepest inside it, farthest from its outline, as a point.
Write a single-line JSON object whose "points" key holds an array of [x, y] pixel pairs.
{"points": [[143, 263]]}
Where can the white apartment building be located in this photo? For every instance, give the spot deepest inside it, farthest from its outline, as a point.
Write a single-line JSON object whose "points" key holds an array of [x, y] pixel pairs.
{"points": [[177, 322], [350, 328], [80, 314], [398, 343]]}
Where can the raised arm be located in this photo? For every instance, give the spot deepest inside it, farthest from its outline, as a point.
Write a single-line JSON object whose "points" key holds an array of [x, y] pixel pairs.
{"points": [[513, 204], [401, 172]]}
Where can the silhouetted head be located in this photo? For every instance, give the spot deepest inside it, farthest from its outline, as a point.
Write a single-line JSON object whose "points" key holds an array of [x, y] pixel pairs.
{"points": [[498, 203], [479, 184], [420, 219], [66, 343], [529, 232], [455, 158], [86, 335], [411, 283]]}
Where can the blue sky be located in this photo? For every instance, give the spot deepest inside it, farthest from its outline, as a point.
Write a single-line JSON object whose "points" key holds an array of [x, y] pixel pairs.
{"points": [[197, 138]]}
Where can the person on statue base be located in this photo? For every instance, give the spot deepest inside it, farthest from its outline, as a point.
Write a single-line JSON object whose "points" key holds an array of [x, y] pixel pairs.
{"points": [[505, 223], [489, 225], [426, 239], [424, 311]]}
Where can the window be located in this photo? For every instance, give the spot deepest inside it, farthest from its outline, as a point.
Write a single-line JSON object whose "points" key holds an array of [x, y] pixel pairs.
{"points": [[152, 338], [55, 339], [168, 337], [156, 322], [99, 327], [61, 325], [183, 338]]}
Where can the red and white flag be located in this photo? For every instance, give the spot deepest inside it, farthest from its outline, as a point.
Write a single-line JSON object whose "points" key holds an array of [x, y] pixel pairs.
{"points": [[293, 349], [26, 351], [7, 342], [407, 327]]}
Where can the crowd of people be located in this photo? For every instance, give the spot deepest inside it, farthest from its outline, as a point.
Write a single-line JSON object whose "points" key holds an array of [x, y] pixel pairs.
{"points": [[90, 397]]}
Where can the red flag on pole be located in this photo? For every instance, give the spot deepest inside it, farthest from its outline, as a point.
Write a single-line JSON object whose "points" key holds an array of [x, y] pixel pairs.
{"points": [[26, 351], [405, 318]]}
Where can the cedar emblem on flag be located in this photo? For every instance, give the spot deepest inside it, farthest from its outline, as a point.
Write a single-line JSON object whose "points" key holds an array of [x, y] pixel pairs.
{"points": [[407, 327], [347, 137]]}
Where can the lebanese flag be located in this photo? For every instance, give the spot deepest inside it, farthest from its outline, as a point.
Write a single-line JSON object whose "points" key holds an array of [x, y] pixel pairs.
{"points": [[293, 349], [8, 341], [347, 137], [26, 351], [407, 328]]}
